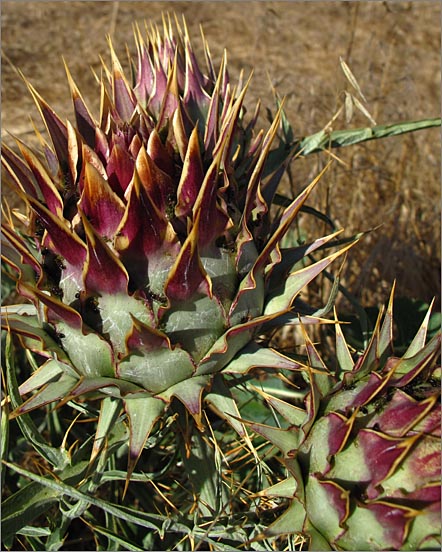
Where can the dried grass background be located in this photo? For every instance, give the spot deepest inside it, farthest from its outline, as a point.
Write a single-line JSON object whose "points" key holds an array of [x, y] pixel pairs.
{"points": [[393, 49]]}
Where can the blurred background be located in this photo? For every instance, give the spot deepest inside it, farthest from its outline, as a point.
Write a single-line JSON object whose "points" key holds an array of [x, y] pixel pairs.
{"points": [[393, 50]]}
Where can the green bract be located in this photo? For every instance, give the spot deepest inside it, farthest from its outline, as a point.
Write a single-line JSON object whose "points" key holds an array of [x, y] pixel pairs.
{"points": [[151, 250], [364, 453]]}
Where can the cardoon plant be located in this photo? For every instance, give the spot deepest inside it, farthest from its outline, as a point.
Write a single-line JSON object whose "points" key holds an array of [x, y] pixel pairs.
{"points": [[150, 265]]}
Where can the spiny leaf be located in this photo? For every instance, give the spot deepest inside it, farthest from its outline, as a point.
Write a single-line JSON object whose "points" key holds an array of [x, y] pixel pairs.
{"points": [[109, 411], [47, 372], [57, 457], [52, 392]]}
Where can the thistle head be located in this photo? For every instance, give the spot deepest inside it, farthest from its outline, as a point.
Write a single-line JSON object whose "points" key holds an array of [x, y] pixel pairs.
{"points": [[152, 254], [365, 446]]}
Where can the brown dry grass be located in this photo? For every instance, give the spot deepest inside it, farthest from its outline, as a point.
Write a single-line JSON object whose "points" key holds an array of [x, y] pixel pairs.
{"points": [[392, 48]]}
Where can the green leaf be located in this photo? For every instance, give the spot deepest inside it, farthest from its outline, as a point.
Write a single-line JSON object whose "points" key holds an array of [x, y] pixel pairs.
{"points": [[47, 372], [374, 536], [7, 283], [25, 505], [22, 319], [424, 531], [385, 341], [339, 138], [54, 391], [317, 540], [250, 406], [202, 464], [57, 457], [314, 143], [59, 488], [31, 531], [293, 255], [109, 410], [221, 399], [60, 527], [124, 543], [4, 436]]}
